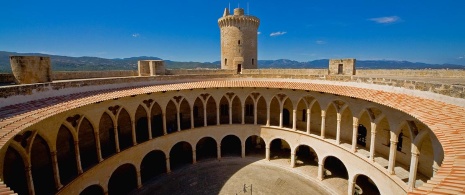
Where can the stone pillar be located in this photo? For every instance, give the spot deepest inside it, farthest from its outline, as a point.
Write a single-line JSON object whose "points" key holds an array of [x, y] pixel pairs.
{"points": [[133, 125], [350, 187], [243, 151], [255, 113], [323, 123], [168, 165], [268, 115], [293, 159], [321, 170], [308, 120], [267, 153], [218, 151], [354, 134], [139, 180], [78, 157], [178, 117], [392, 157], [164, 123], [218, 114], [338, 129], [98, 146], [115, 129], [294, 119], [243, 114], [30, 182], [230, 113], [149, 123], [412, 177], [56, 170], [205, 122], [194, 156], [372, 142], [435, 168], [192, 118], [281, 117]]}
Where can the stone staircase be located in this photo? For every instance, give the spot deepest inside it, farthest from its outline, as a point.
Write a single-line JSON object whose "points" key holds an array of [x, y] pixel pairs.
{"points": [[5, 190]]}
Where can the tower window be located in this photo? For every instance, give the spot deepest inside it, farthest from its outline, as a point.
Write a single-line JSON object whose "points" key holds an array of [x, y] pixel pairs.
{"points": [[253, 61], [225, 61], [239, 42]]}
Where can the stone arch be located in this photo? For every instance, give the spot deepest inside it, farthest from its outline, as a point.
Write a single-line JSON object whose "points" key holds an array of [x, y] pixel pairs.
{"points": [[212, 110], [123, 180], [180, 155], [331, 120], [206, 148], [255, 146], [153, 164], [305, 155], [364, 130], [198, 111], [14, 174], [107, 135], [41, 167], [364, 185], [93, 190], [184, 114], [171, 117], [275, 110], [346, 126], [301, 112], [87, 144], [157, 120], [124, 129], [315, 120], [224, 110], [334, 167], [279, 149], [142, 125], [249, 109], [66, 155], [288, 112], [231, 145], [261, 110], [383, 131], [236, 106]]}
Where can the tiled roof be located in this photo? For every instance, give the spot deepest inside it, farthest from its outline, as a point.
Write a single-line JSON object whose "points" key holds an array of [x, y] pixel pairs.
{"points": [[447, 121]]}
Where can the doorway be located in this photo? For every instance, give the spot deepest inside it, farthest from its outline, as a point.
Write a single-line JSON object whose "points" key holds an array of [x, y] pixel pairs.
{"points": [[340, 68], [239, 69]]}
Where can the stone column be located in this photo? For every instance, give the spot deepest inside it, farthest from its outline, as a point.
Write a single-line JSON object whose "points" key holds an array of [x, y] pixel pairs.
{"points": [[192, 118], [435, 168], [294, 119], [338, 129], [134, 140], [149, 123], [243, 151], [194, 156], [354, 134], [97, 145], [267, 153], [351, 186], [293, 159], [392, 157], [205, 123], [230, 113], [168, 166], [412, 177], [115, 129], [218, 114], [281, 117], [78, 157], [308, 120], [268, 115], [372, 142], [321, 170], [255, 113], [243, 114], [30, 182], [178, 117], [56, 170], [218, 151], [323, 123], [139, 180], [164, 123]]}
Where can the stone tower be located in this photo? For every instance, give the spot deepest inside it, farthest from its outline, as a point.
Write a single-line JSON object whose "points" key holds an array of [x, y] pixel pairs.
{"points": [[238, 40]]}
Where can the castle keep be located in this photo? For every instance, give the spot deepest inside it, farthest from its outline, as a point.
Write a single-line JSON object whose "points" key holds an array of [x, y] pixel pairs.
{"points": [[238, 40]]}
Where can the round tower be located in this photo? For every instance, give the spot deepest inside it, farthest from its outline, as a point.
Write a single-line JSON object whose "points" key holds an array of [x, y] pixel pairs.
{"points": [[238, 40]]}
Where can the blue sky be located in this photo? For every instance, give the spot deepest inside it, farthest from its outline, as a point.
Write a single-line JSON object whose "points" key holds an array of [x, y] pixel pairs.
{"points": [[419, 31]]}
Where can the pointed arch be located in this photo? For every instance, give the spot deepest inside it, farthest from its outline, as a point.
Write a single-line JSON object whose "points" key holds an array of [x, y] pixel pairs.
{"points": [[249, 109], [198, 111], [87, 144], [14, 174], [171, 117], [185, 114], [261, 111], [275, 110], [107, 135], [236, 106], [142, 125], [211, 111], [157, 120], [41, 167], [66, 155], [315, 120], [224, 110], [288, 113], [124, 130]]}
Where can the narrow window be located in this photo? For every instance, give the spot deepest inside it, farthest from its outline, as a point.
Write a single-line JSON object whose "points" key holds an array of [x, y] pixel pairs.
{"points": [[362, 135], [225, 61], [253, 61], [400, 139], [239, 42]]}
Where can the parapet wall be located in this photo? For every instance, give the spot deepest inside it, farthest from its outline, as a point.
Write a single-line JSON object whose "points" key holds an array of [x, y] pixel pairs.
{"points": [[68, 75], [198, 71], [413, 73], [286, 71]]}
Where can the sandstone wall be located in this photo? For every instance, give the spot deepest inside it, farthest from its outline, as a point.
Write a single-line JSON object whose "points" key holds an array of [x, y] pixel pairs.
{"points": [[198, 71], [286, 71], [67, 75], [411, 72]]}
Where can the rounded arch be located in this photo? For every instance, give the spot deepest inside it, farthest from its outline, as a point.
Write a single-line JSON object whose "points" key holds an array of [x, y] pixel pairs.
{"points": [[157, 120], [66, 155], [124, 129], [142, 125], [231, 146], [123, 180], [107, 135], [14, 171], [92, 190], [87, 144], [279, 149], [180, 154], [41, 167], [305, 155], [153, 164], [334, 167], [255, 146], [364, 185], [206, 148]]}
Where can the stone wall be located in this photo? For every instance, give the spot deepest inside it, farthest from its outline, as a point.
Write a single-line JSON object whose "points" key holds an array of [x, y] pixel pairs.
{"points": [[31, 69], [68, 75], [286, 71], [413, 73], [7, 78], [199, 71], [342, 66]]}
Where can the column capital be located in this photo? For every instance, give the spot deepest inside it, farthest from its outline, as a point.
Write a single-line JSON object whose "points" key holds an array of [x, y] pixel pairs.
{"points": [[393, 142], [415, 154]]}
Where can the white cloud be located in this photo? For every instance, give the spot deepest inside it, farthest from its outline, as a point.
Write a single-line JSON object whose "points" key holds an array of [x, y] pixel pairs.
{"points": [[279, 33], [386, 20], [320, 42], [259, 33], [461, 57], [136, 35]]}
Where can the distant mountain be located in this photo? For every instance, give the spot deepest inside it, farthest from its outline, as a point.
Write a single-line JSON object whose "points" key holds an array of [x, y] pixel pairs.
{"points": [[66, 63]]}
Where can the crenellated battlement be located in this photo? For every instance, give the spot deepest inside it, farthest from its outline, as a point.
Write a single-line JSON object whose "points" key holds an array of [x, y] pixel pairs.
{"points": [[233, 20]]}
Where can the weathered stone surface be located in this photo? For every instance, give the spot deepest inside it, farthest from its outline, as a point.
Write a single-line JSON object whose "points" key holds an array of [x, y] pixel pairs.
{"points": [[31, 69]]}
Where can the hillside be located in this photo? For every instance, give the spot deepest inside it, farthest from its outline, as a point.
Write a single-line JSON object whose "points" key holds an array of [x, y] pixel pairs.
{"points": [[66, 63]]}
